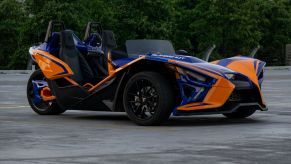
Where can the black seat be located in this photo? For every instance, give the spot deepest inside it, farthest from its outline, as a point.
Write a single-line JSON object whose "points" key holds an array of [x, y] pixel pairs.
{"points": [[95, 62], [54, 44], [71, 55], [108, 43], [94, 40], [119, 53]]}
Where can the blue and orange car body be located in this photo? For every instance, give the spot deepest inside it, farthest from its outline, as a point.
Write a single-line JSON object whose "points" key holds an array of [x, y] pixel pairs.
{"points": [[211, 95], [203, 87]]}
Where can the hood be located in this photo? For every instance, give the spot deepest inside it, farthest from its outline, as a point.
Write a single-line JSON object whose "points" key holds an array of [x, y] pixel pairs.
{"points": [[188, 61]]}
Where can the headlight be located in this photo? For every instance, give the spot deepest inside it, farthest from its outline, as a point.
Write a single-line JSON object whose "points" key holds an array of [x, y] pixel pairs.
{"points": [[30, 50]]}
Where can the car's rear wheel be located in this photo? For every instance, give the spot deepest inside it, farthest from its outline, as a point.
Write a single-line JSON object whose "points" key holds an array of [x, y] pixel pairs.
{"points": [[242, 113], [148, 98], [38, 105]]}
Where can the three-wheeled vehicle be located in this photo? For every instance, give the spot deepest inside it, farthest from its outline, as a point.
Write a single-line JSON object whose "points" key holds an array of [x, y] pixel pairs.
{"points": [[146, 79]]}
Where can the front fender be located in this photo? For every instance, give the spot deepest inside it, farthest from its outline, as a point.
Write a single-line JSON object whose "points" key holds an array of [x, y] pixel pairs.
{"points": [[250, 67]]}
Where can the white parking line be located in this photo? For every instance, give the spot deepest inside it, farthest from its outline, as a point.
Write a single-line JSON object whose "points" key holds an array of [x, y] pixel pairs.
{"points": [[9, 107]]}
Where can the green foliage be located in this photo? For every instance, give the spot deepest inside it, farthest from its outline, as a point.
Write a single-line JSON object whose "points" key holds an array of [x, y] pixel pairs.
{"points": [[234, 26], [12, 18], [275, 24]]}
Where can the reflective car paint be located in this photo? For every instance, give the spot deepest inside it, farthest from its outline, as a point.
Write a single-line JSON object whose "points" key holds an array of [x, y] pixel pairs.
{"points": [[51, 66], [213, 95]]}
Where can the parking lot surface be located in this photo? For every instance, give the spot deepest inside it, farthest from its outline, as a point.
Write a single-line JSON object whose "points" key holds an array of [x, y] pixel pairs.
{"points": [[104, 137]]}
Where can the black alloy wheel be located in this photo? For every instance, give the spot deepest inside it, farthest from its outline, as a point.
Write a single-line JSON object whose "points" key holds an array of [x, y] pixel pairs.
{"points": [[148, 98]]}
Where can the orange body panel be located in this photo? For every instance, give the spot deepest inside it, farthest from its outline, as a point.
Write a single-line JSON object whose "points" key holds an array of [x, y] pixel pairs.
{"points": [[217, 95], [51, 66], [246, 67]]}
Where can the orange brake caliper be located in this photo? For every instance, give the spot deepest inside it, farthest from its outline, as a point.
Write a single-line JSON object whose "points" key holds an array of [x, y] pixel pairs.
{"points": [[46, 94]]}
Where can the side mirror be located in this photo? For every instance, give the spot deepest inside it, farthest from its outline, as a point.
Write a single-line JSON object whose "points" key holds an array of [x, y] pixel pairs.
{"points": [[182, 52]]}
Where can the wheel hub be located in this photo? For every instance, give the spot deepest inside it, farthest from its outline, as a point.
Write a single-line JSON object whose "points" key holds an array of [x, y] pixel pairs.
{"points": [[143, 99]]}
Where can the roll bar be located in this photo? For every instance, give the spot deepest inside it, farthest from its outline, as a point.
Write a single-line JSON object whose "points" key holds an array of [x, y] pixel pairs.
{"points": [[51, 27], [90, 28]]}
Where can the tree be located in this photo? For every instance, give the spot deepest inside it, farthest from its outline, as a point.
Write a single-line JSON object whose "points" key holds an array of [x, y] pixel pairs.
{"points": [[12, 16], [275, 24], [231, 25], [234, 26], [144, 19]]}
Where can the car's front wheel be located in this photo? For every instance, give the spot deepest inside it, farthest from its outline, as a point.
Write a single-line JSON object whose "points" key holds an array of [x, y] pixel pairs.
{"points": [[148, 98]]}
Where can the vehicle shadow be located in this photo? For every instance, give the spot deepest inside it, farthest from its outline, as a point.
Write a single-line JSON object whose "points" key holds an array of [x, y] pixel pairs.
{"points": [[103, 116], [211, 120]]}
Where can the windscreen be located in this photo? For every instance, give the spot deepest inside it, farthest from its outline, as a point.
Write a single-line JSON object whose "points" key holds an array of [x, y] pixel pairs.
{"points": [[143, 47]]}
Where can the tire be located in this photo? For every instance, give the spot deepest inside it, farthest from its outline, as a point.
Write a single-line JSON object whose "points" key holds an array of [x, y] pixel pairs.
{"points": [[243, 113], [42, 108], [148, 98]]}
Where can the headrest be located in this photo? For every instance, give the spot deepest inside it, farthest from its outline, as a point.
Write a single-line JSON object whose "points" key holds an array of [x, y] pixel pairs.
{"points": [[67, 38], [109, 39]]}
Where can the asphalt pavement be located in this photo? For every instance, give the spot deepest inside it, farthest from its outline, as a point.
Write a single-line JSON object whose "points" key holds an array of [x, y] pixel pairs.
{"points": [[104, 137]]}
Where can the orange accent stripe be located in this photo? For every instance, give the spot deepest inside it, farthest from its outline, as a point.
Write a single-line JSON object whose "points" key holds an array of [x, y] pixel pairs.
{"points": [[88, 84], [109, 64], [71, 81], [110, 76]]}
